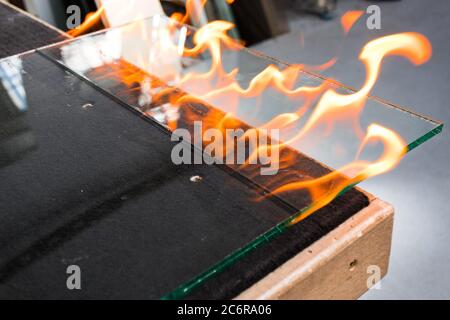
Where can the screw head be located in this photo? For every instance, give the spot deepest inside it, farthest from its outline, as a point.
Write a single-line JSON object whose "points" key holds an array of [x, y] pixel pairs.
{"points": [[196, 179]]}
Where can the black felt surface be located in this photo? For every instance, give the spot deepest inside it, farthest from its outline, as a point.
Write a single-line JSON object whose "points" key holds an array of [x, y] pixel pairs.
{"points": [[95, 187], [19, 33]]}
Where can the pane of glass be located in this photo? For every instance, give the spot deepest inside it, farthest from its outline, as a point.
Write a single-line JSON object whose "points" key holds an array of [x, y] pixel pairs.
{"points": [[82, 175], [298, 114]]}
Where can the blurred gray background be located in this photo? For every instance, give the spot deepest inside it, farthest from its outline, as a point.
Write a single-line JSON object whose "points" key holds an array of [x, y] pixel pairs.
{"points": [[419, 187]]}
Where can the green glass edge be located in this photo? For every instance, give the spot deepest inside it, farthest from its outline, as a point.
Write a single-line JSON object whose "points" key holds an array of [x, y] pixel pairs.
{"points": [[183, 290], [425, 137]]}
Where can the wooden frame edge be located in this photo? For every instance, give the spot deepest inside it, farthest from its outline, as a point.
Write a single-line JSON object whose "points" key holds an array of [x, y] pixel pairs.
{"points": [[336, 266]]}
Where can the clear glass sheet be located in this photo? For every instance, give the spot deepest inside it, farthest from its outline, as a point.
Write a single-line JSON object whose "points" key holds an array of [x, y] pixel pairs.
{"points": [[142, 65], [83, 174]]}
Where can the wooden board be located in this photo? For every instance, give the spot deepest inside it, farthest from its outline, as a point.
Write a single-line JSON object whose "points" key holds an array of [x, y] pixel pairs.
{"points": [[337, 265]]}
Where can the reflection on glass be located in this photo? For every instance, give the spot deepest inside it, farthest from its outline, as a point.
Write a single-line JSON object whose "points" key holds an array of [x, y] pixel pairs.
{"points": [[16, 138], [11, 80]]}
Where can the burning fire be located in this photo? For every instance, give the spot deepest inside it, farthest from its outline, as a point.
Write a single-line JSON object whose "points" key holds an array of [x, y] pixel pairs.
{"points": [[91, 20], [349, 18], [320, 106]]}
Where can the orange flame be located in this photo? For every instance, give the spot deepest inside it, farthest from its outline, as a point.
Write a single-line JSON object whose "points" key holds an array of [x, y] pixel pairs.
{"points": [[315, 105], [192, 11], [324, 189], [349, 18], [331, 107], [91, 20]]}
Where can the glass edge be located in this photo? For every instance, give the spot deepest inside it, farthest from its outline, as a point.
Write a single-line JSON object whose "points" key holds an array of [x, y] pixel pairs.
{"points": [[424, 138], [183, 290], [339, 84], [18, 55]]}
